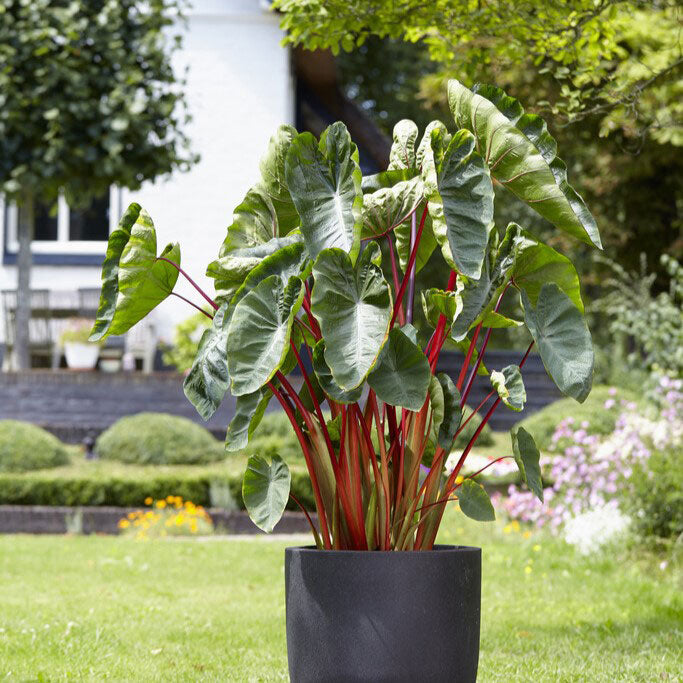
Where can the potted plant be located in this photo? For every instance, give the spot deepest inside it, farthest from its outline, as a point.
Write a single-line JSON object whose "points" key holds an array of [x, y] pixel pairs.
{"points": [[318, 271], [80, 353]]}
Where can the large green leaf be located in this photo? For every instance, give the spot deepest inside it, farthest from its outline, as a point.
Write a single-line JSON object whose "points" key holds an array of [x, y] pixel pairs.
{"points": [[290, 260], [402, 154], [522, 156], [267, 210], [452, 412], [387, 208], [353, 306], [265, 490], [324, 180], [274, 181], [475, 502], [231, 269], [249, 410], [134, 281], [535, 263], [460, 195], [209, 379], [510, 386], [259, 333], [528, 459], [401, 377], [563, 340], [327, 383]]}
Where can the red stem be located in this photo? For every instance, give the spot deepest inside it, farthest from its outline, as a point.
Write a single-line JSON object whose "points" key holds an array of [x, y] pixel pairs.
{"points": [[411, 261], [439, 337], [194, 305], [394, 274], [213, 304], [468, 358], [308, 517], [309, 464]]}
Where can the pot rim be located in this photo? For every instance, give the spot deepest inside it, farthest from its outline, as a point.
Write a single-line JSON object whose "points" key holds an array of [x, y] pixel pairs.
{"points": [[440, 549]]}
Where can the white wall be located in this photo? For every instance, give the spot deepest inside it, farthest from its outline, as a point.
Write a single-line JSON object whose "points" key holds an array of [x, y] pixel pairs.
{"points": [[239, 89]]}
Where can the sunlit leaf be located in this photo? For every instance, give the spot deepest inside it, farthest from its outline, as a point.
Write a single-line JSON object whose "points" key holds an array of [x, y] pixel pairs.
{"points": [[265, 490], [527, 458], [510, 386]]}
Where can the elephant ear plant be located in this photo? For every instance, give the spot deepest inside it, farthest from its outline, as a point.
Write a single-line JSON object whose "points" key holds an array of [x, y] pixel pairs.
{"points": [[299, 276]]}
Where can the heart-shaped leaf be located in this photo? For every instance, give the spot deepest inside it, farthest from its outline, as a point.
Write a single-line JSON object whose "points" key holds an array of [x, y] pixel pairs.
{"points": [[353, 306], [522, 156], [402, 375], [452, 412], [563, 340], [327, 383], [232, 268], [209, 379], [510, 386], [475, 502], [249, 411], [460, 195], [134, 280], [265, 490], [528, 459], [387, 208], [324, 180], [259, 333], [402, 154]]}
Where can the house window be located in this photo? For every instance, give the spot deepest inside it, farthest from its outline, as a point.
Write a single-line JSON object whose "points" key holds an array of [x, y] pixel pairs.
{"points": [[62, 230]]}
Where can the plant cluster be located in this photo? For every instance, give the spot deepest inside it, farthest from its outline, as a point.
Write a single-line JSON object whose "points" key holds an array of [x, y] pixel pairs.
{"points": [[615, 474], [76, 330], [25, 447], [186, 337], [301, 273], [170, 516]]}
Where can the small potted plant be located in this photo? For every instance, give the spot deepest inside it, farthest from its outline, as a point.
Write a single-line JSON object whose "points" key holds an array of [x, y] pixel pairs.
{"points": [[80, 353], [319, 264]]}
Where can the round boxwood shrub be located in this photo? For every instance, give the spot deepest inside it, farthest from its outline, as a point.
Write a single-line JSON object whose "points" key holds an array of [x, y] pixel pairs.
{"points": [[25, 447], [158, 439]]}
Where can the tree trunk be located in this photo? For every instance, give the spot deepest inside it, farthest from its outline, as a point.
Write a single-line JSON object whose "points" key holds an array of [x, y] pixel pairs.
{"points": [[23, 313]]}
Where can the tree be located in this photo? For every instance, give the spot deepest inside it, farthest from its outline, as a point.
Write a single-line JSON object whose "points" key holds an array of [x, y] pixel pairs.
{"points": [[88, 99], [618, 59]]}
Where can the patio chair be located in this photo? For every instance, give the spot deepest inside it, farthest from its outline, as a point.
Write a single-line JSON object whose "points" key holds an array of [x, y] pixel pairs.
{"points": [[141, 343], [41, 334]]}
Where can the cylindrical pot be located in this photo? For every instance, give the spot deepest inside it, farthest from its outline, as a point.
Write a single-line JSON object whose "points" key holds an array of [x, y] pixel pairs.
{"points": [[81, 356], [383, 616]]}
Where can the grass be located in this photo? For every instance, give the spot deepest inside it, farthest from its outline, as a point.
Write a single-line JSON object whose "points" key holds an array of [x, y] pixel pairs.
{"points": [[99, 608]]}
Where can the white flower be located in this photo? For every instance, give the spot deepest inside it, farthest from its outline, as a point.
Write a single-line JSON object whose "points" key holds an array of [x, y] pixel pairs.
{"points": [[590, 531]]}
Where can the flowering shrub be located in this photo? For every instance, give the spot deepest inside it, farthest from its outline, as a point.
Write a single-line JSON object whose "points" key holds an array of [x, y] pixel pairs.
{"points": [[588, 471], [170, 516]]}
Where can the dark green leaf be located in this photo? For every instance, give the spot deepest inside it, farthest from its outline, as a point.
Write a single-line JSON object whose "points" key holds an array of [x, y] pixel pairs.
{"points": [[563, 340], [249, 410], [265, 490], [475, 502], [353, 306], [259, 333], [324, 180], [528, 459], [510, 386], [327, 383], [401, 377], [452, 412], [208, 379], [522, 156]]}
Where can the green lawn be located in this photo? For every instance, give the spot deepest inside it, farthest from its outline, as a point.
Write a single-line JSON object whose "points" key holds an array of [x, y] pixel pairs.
{"points": [[102, 608]]}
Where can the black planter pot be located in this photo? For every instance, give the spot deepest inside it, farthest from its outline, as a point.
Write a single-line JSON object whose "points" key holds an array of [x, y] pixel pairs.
{"points": [[383, 616]]}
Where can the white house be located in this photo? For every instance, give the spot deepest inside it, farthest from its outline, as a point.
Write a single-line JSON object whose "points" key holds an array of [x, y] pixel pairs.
{"points": [[239, 89]]}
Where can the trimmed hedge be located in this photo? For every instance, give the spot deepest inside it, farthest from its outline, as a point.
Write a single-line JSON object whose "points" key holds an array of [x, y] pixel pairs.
{"points": [[25, 447], [158, 439], [120, 491]]}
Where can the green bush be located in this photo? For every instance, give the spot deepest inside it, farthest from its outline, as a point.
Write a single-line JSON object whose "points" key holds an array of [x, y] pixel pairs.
{"points": [[131, 491], [657, 496], [158, 439], [541, 425], [25, 447]]}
